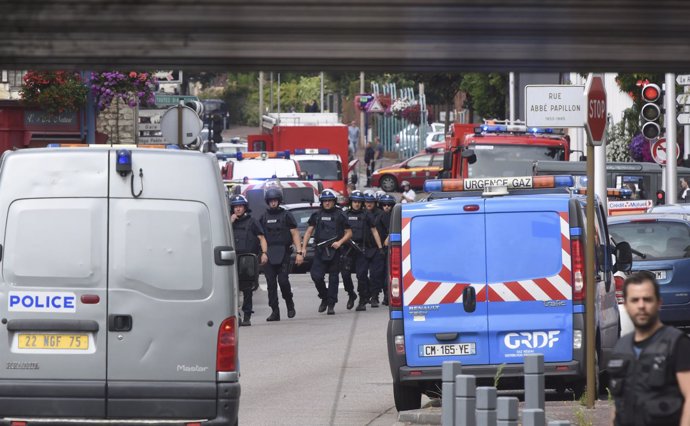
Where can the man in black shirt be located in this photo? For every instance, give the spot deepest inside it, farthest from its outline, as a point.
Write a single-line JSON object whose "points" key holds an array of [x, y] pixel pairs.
{"points": [[249, 238], [650, 367]]}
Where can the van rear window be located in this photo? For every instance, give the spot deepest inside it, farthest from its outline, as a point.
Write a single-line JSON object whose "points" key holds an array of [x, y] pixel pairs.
{"points": [[448, 248], [523, 245]]}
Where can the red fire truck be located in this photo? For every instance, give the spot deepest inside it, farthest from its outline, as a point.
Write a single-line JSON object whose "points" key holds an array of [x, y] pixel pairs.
{"points": [[318, 141], [482, 150]]}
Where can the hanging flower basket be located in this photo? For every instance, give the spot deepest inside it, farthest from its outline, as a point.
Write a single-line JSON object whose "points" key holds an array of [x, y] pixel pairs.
{"points": [[54, 91], [133, 88], [399, 105], [640, 149]]}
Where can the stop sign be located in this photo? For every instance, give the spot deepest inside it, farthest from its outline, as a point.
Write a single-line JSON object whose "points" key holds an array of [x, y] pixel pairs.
{"points": [[595, 92]]}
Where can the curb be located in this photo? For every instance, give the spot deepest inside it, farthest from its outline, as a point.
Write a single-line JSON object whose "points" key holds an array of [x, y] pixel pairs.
{"points": [[423, 416]]}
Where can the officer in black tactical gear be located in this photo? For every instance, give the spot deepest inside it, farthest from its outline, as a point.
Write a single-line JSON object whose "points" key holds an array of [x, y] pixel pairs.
{"points": [[331, 230], [281, 231], [347, 258], [650, 367], [249, 238], [383, 220], [376, 261], [361, 248]]}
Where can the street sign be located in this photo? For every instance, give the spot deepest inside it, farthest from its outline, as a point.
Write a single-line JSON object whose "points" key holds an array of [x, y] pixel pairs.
{"points": [[683, 99], [149, 126], [683, 80], [554, 106], [595, 92], [375, 106], [684, 118], [167, 77], [659, 151], [168, 99], [151, 140], [191, 125]]}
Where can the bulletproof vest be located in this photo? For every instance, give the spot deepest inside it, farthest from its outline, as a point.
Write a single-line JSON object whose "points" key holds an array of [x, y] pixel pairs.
{"points": [[358, 222], [276, 230], [382, 224], [373, 218], [645, 389], [245, 240], [327, 225]]}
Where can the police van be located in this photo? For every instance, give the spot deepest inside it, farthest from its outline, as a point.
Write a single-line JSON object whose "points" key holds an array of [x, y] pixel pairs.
{"points": [[118, 290], [486, 272]]}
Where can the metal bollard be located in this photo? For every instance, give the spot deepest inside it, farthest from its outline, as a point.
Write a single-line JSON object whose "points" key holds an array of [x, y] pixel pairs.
{"points": [[507, 411], [486, 406], [465, 403], [449, 370], [559, 423], [534, 381], [533, 417]]}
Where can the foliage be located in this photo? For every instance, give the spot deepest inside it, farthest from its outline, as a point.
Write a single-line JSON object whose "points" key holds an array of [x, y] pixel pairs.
{"points": [[486, 94], [640, 149], [413, 115], [499, 374], [618, 143], [54, 91], [399, 105], [133, 88]]}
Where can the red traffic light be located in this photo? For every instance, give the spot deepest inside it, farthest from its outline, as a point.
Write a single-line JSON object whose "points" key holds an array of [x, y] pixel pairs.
{"points": [[660, 197], [651, 93]]}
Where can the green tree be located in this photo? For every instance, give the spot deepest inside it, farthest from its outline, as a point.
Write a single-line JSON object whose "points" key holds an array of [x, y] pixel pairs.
{"points": [[441, 88], [486, 94]]}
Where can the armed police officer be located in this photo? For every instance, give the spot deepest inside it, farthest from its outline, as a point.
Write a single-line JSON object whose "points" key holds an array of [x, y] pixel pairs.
{"points": [[650, 367], [281, 231], [382, 223], [249, 239], [376, 259], [331, 230], [362, 247]]}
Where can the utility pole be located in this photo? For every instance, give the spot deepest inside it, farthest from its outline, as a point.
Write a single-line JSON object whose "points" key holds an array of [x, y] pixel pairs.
{"points": [[671, 137], [261, 98], [511, 90], [321, 91], [362, 136]]}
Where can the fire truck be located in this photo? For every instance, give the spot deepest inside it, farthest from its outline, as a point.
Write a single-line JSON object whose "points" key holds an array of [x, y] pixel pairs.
{"points": [[317, 141], [500, 149]]}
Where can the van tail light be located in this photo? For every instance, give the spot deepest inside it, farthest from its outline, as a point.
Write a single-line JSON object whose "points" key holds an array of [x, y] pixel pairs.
{"points": [[395, 285], [618, 280], [226, 352], [578, 258], [400, 345]]}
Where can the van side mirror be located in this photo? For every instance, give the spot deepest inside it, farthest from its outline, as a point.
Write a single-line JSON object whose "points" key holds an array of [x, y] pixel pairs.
{"points": [[623, 257], [448, 161], [470, 155]]}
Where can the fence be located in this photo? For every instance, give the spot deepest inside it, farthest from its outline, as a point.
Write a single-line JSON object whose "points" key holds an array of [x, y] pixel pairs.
{"points": [[465, 404]]}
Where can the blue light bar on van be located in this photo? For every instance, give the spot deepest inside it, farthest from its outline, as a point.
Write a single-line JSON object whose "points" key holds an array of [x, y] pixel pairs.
{"points": [[511, 128], [312, 151], [479, 184], [262, 154]]}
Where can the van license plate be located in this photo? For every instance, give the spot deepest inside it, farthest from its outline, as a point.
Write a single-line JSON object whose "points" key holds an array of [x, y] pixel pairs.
{"points": [[453, 349], [660, 275], [54, 341]]}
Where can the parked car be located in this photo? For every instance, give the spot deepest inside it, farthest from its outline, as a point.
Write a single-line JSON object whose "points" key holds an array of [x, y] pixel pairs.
{"points": [[434, 138], [415, 170], [660, 243], [670, 208], [407, 140]]}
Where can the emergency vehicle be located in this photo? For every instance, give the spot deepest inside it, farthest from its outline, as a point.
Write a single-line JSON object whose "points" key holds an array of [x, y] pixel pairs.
{"points": [[500, 149], [319, 164], [294, 192], [642, 179], [489, 270], [308, 134], [257, 166]]}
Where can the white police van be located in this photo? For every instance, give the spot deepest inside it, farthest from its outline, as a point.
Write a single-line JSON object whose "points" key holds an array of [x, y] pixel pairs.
{"points": [[485, 279], [118, 288]]}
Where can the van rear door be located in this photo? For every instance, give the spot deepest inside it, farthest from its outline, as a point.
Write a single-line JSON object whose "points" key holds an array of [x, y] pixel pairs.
{"points": [[530, 306], [54, 272], [164, 311], [444, 282]]}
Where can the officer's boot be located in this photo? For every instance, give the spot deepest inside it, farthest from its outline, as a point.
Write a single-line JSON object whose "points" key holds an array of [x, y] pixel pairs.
{"points": [[362, 305], [351, 300], [375, 301], [246, 320], [322, 306], [290, 308], [331, 310], [275, 315]]}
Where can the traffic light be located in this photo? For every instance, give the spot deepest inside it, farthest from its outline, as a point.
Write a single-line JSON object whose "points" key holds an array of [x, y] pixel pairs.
{"points": [[217, 126], [660, 197], [650, 115]]}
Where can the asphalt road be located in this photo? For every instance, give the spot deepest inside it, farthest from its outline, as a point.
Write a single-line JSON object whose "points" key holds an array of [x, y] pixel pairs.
{"points": [[315, 369]]}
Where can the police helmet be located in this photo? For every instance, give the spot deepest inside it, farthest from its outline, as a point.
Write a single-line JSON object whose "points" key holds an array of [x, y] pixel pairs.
{"points": [[238, 200], [380, 194], [357, 196], [405, 183], [369, 196], [273, 193], [387, 200], [327, 195]]}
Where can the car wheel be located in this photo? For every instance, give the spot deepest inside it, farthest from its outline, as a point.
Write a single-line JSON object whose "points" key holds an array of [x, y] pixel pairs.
{"points": [[407, 397], [388, 183]]}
